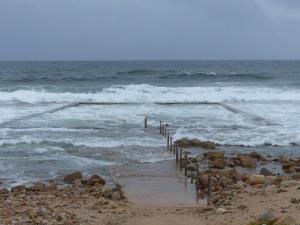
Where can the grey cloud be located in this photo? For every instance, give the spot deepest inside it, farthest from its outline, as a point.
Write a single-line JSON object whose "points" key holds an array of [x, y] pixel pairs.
{"points": [[147, 29]]}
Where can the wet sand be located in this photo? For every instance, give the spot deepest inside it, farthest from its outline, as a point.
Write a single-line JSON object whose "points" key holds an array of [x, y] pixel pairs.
{"points": [[157, 184]]}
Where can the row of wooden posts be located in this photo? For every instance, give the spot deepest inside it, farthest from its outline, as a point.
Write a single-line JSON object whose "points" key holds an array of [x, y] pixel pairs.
{"points": [[180, 157]]}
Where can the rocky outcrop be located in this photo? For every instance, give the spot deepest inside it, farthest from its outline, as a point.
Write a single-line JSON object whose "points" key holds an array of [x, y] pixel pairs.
{"points": [[187, 143], [70, 178], [95, 179], [247, 161]]}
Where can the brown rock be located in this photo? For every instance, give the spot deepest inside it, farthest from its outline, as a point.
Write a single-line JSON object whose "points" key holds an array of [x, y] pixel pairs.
{"points": [[272, 180], [95, 179], [70, 178], [257, 156], [203, 181], [296, 176], [218, 164], [37, 186], [183, 143], [289, 166], [256, 179], [51, 187], [191, 167], [4, 191], [19, 188], [247, 161], [214, 155]]}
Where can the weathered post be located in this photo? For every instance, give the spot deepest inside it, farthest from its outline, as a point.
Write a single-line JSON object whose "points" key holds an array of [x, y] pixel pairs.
{"points": [[197, 177], [208, 190], [146, 122], [165, 131], [171, 144], [185, 166], [168, 141], [176, 150], [180, 159], [160, 127]]}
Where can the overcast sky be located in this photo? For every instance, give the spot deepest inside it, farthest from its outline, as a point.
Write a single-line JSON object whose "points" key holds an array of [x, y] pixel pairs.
{"points": [[149, 29]]}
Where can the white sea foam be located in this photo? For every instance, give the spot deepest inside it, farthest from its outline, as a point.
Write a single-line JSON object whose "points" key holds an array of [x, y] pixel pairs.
{"points": [[147, 93]]}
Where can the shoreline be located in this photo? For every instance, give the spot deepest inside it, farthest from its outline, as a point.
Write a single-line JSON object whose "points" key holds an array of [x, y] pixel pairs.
{"points": [[237, 197]]}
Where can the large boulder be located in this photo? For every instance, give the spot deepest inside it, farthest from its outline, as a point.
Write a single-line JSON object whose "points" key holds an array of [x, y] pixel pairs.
{"points": [[256, 179], [37, 186], [183, 143], [186, 143], [95, 179], [70, 178], [289, 166], [214, 155], [257, 156], [247, 161], [218, 164], [191, 167]]}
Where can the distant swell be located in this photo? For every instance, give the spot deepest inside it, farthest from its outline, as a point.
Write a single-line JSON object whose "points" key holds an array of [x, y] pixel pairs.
{"points": [[212, 76]]}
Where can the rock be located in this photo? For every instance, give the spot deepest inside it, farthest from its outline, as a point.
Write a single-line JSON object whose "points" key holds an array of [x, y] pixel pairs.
{"points": [[191, 167], [37, 186], [95, 179], [266, 217], [51, 187], [294, 200], [222, 211], [214, 155], [77, 183], [19, 188], [257, 156], [266, 172], [289, 166], [289, 220], [108, 193], [4, 191], [185, 143], [41, 211], [218, 164], [230, 173], [272, 180], [70, 178], [239, 185], [296, 176], [256, 179], [203, 181], [288, 183], [247, 161]]}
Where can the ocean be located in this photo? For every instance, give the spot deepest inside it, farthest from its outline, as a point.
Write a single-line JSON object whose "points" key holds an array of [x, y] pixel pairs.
{"points": [[44, 134]]}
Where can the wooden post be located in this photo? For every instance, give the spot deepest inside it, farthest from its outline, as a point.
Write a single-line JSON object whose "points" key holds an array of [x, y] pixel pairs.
{"points": [[171, 144], [146, 122], [168, 141], [185, 166], [165, 131], [197, 178], [208, 190], [180, 159], [160, 127], [176, 150]]}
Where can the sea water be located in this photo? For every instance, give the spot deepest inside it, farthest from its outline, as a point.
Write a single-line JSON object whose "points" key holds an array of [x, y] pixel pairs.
{"points": [[258, 105]]}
